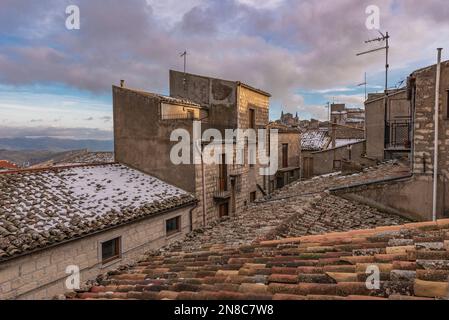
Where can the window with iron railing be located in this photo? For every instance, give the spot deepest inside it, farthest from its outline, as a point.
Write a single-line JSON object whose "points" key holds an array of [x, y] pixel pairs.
{"points": [[398, 133]]}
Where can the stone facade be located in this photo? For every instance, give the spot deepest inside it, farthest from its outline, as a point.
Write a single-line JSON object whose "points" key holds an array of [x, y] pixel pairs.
{"points": [[139, 130], [398, 116], [423, 99], [42, 275], [331, 160]]}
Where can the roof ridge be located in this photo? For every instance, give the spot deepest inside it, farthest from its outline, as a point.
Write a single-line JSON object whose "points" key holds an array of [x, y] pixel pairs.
{"points": [[55, 168], [355, 232]]}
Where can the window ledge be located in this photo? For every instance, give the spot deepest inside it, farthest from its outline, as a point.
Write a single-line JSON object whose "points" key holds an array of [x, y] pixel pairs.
{"points": [[110, 263]]}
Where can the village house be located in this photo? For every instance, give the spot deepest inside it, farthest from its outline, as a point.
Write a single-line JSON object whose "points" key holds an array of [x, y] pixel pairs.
{"points": [[289, 156], [55, 222], [143, 123], [342, 115], [388, 125], [326, 150], [414, 194]]}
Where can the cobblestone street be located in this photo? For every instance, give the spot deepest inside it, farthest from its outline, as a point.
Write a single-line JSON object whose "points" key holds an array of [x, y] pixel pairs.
{"points": [[300, 208]]}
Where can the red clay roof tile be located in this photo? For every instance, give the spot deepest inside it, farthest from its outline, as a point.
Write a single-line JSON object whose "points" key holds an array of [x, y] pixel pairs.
{"points": [[412, 261]]}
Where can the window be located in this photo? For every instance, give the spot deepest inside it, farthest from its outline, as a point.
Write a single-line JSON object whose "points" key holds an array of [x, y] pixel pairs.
{"points": [[337, 164], [110, 250], [284, 155], [173, 225], [252, 118], [252, 196], [223, 174]]}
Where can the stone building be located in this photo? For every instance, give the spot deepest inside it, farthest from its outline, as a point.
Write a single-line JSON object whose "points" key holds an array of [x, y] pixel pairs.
{"points": [[388, 125], [342, 115], [56, 222], [289, 120], [142, 139], [327, 150], [413, 195], [289, 157]]}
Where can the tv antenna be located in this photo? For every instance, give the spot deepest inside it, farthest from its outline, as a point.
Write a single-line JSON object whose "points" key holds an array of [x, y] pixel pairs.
{"points": [[184, 54], [383, 37], [363, 84]]}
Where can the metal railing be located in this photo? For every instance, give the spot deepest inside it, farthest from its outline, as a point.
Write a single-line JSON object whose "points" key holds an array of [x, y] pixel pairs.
{"points": [[398, 133], [221, 189]]}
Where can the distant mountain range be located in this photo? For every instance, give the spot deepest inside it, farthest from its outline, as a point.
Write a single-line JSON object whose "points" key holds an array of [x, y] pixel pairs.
{"points": [[55, 144]]}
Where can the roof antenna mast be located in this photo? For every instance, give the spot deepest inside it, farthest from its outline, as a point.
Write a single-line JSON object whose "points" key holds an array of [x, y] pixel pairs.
{"points": [[384, 37], [184, 55]]}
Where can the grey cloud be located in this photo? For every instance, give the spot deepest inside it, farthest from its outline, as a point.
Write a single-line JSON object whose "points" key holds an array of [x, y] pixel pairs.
{"points": [[297, 45]]}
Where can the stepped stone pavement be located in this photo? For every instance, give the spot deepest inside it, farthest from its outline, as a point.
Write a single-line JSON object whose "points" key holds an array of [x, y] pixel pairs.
{"points": [[301, 208]]}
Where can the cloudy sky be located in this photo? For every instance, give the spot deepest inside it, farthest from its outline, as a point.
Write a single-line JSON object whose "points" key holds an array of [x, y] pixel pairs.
{"points": [[58, 81]]}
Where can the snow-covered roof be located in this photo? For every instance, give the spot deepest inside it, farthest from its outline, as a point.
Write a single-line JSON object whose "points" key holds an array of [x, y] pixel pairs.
{"points": [[345, 142], [41, 207], [314, 140]]}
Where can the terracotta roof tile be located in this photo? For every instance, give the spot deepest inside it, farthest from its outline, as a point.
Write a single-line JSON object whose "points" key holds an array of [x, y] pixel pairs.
{"points": [[307, 268]]}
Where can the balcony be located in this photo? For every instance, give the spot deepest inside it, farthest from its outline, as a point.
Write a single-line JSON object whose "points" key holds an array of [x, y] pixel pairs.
{"points": [[398, 134], [221, 189]]}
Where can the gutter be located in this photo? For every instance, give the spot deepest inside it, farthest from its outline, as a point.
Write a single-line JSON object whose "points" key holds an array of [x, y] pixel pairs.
{"points": [[435, 152]]}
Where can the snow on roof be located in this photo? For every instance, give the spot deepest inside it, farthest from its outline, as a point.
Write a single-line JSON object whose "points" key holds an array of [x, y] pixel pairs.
{"points": [[314, 140], [345, 142], [41, 207]]}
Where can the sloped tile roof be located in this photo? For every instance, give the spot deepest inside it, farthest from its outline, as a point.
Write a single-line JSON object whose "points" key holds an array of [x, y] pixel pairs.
{"points": [[314, 140], [43, 207], [413, 260]]}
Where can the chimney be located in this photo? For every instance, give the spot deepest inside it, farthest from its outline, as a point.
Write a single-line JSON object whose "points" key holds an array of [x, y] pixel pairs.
{"points": [[122, 83]]}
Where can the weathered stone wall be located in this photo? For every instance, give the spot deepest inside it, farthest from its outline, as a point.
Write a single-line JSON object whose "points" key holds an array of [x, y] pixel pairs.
{"points": [[323, 161], [411, 197], [348, 132], [219, 96], [398, 108], [293, 139], [424, 120], [142, 139], [250, 99], [41, 275]]}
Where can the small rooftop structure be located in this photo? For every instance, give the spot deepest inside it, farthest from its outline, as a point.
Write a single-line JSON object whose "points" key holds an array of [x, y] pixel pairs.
{"points": [[315, 140]]}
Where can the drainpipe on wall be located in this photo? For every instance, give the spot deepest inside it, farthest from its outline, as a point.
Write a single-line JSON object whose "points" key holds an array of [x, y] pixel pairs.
{"points": [[203, 180], [435, 152]]}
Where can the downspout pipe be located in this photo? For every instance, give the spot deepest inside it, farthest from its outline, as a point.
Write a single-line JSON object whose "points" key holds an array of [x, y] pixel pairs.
{"points": [[203, 180], [435, 152]]}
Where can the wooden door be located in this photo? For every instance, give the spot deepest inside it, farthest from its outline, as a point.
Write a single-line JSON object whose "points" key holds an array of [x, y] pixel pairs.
{"points": [[223, 210]]}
